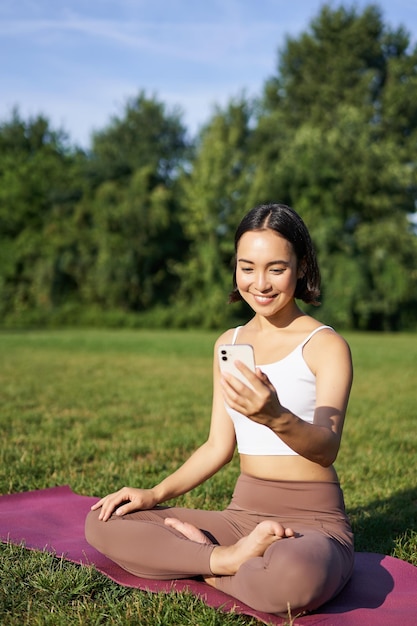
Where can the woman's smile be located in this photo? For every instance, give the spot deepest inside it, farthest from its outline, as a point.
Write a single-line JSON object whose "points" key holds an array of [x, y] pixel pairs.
{"points": [[264, 299]]}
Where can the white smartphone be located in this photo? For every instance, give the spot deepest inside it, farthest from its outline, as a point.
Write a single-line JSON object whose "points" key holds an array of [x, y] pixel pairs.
{"points": [[229, 353]]}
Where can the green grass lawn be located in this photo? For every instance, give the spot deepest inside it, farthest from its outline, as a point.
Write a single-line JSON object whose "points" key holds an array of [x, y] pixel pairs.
{"points": [[101, 409]]}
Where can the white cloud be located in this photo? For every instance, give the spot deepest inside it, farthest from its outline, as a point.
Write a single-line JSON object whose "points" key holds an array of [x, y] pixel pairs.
{"points": [[78, 62], [204, 42]]}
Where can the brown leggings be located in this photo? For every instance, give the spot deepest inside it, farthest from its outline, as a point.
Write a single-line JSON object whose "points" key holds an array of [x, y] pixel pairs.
{"points": [[303, 572]]}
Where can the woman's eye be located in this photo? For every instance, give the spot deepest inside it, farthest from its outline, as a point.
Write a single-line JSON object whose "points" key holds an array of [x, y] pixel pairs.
{"points": [[277, 271], [246, 269]]}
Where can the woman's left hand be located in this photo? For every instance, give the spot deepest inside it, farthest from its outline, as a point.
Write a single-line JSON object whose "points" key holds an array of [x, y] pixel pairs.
{"points": [[259, 401]]}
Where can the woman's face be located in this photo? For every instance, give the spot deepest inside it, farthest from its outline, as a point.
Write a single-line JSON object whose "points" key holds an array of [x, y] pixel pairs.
{"points": [[266, 271]]}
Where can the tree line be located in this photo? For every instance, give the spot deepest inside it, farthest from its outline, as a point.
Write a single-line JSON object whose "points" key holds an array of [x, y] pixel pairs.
{"points": [[138, 229]]}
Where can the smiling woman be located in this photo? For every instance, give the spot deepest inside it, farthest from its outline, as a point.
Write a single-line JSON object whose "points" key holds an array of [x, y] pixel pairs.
{"points": [[294, 252], [265, 280], [284, 540]]}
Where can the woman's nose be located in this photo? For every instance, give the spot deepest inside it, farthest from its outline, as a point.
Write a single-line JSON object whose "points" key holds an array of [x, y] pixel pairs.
{"points": [[261, 282]]}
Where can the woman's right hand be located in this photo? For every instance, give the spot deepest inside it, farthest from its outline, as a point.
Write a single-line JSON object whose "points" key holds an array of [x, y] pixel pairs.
{"points": [[135, 499]]}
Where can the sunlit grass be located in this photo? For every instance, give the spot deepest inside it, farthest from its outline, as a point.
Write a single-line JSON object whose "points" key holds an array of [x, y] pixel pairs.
{"points": [[101, 409]]}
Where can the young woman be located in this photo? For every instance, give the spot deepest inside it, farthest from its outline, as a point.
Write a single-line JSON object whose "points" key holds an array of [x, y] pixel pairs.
{"points": [[284, 540]]}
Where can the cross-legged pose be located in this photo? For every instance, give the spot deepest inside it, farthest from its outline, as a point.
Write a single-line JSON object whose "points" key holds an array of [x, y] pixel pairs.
{"points": [[284, 540]]}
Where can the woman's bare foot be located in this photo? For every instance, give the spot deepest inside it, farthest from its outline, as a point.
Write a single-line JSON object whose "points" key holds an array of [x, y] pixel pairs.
{"points": [[188, 530], [194, 534], [226, 560]]}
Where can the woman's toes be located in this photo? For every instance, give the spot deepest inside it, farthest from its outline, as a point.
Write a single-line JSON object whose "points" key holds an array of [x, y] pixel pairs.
{"points": [[188, 530]]}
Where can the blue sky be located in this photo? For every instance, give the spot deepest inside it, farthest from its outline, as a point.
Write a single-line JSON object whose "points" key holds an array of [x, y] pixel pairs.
{"points": [[78, 61]]}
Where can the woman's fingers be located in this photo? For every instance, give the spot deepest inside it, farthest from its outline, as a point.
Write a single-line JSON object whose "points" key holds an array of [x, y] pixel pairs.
{"points": [[126, 500], [111, 502], [110, 506], [258, 402]]}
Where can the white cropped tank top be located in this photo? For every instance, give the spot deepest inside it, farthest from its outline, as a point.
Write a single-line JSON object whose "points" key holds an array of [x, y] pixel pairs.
{"points": [[296, 387]]}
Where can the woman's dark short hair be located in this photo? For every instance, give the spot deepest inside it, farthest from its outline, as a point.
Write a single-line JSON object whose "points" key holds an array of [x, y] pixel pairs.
{"points": [[287, 223]]}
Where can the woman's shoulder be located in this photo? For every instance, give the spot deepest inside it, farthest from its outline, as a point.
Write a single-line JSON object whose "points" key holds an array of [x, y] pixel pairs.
{"points": [[226, 337], [319, 335], [307, 325], [324, 343]]}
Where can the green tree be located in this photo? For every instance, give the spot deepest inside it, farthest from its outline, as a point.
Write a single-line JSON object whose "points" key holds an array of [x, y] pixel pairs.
{"points": [[342, 152], [146, 135], [214, 199], [134, 208], [40, 184], [135, 239]]}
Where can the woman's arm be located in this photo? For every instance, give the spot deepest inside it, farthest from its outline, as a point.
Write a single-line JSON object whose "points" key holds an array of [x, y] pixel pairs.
{"points": [[329, 358], [201, 465]]}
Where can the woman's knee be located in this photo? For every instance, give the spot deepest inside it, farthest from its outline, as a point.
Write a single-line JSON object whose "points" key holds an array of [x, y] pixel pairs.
{"points": [[281, 583], [92, 528], [288, 586], [300, 580]]}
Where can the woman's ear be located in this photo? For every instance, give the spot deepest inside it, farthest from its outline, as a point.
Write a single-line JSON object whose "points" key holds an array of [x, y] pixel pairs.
{"points": [[302, 268]]}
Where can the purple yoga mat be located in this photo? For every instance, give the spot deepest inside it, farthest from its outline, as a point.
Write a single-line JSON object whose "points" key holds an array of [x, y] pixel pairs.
{"points": [[381, 592]]}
